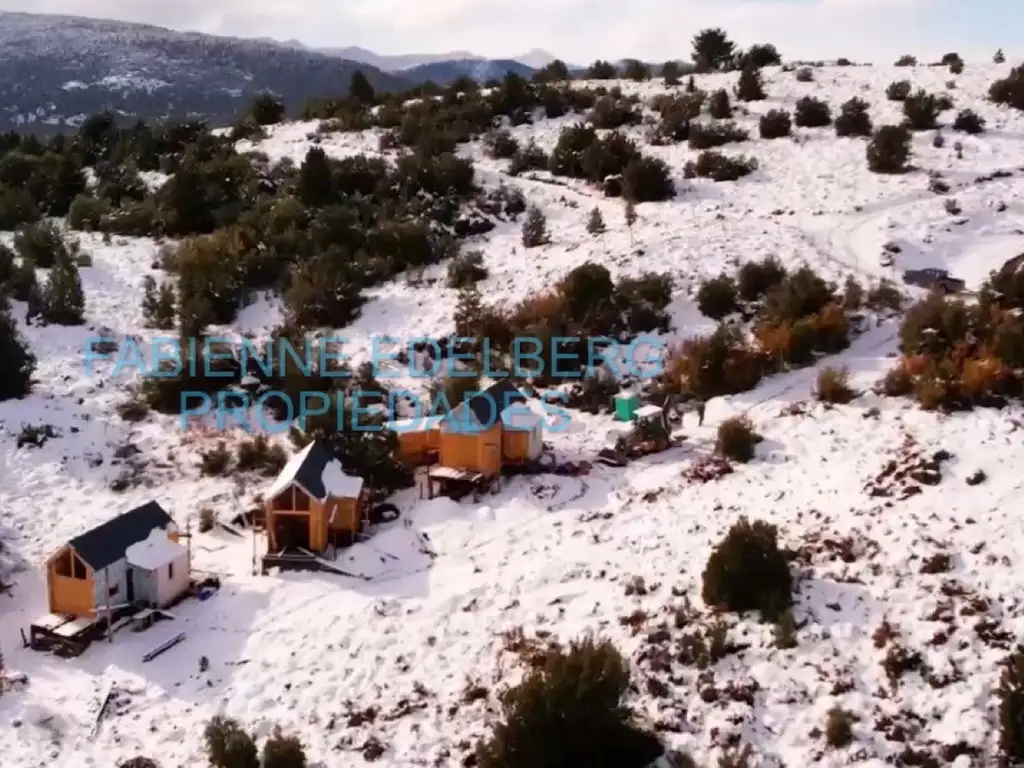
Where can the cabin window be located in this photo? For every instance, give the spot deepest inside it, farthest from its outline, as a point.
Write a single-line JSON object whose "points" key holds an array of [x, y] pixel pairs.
{"points": [[69, 566], [113, 590], [64, 564], [170, 570], [291, 499]]}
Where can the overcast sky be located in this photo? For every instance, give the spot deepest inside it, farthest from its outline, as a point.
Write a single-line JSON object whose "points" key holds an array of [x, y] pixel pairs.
{"points": [[582, 30]]}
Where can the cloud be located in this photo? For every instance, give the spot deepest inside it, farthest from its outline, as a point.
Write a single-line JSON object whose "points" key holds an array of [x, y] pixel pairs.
{"points": [[577, 30]]}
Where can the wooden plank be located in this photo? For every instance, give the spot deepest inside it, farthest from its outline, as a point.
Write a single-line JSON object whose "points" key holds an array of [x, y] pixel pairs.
{"points": [[164, 646], [73, 628], [103, 708]]}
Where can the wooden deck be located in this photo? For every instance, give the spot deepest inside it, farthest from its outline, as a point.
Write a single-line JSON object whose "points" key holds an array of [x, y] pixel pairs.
{"points": [[64, 635], [457, 483], [70, 636]]}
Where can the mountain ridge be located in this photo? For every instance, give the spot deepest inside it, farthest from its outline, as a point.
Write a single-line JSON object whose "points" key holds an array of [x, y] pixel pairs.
{"points": [[61, 69], [534, 59]]}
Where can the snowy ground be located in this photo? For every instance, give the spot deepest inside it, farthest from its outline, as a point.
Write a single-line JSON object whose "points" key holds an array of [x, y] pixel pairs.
{"points": [[306, 652]]}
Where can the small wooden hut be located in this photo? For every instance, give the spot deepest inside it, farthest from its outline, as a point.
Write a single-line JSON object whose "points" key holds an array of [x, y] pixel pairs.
{"points": [[484, 434], [313, 504], [419, 440]]}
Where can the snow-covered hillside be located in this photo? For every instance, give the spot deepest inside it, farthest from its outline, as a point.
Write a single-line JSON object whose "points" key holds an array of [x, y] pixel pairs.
{"points": [[388, 659], [60, 69]]}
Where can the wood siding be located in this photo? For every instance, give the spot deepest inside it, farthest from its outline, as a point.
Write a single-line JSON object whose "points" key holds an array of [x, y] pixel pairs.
{"points": [[343, 514], [515, 446], [317, 518], [414, 447], [67, 594], [473, 451]]}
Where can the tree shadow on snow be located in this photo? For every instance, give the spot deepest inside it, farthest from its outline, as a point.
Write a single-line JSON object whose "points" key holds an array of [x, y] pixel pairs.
{"points": [[217, 629]]}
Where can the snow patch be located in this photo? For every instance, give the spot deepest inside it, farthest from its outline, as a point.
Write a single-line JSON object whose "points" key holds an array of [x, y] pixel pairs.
{"points": [[338, 483], [155, 551]]}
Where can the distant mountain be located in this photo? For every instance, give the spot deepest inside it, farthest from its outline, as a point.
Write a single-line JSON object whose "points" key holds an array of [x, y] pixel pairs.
{"points": [[536, 58], [401, 64], [397, 63], [446, 72], [60, 69]]}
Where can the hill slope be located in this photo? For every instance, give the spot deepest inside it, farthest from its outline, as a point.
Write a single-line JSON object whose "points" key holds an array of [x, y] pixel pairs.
{"points": [[904, 525], [61, 69], [446, 72]]}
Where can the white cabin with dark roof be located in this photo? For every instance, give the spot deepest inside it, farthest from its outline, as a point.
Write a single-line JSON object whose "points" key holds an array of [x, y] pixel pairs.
{"points": [[133, 559]]}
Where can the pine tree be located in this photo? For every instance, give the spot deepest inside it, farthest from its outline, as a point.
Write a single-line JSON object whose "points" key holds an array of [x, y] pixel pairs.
{"points": [[323, 291], [1000, 57], [595, 222], [42, 244], [719, 106], [670, 71], [535, 228], [750, 86], [267, 109], [7, 266], [316, 183], [158, 303], [68, 182], [185, 199], [469, 309], [361, 91], [630, 216], [18, 361], [713, 50], [63, 302], [281, 751]]}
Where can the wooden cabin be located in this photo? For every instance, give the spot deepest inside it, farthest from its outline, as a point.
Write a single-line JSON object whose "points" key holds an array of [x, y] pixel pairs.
{"points": [[490, 430], [522, 437], [133, 559], [419, 440], [313, 504]]}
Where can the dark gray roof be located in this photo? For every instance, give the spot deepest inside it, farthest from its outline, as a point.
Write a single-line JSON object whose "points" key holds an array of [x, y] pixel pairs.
{"points": [[307, 469], [487, 406], [107, 543]]}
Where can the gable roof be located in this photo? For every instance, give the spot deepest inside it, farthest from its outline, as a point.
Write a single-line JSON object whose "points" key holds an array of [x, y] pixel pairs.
{"points": [[318, 472], [485, 408], [107, 543]]}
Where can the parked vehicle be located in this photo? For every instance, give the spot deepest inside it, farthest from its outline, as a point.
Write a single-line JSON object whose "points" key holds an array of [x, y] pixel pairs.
{"points": [[934, 279]]}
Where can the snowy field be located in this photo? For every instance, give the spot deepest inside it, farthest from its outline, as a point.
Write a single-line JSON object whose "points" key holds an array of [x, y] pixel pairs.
{"points": [[314, 653]]}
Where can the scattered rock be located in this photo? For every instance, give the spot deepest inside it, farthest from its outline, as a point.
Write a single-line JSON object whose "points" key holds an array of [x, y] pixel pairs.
{"points": [[706, 469], [903, 475]]}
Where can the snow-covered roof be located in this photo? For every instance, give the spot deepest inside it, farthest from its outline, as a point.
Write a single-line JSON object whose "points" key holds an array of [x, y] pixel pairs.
{"points": [[106, 544], [521, 417], [318, 473], [155, 551], [647, 411], [338, 484], [291, 469]]}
